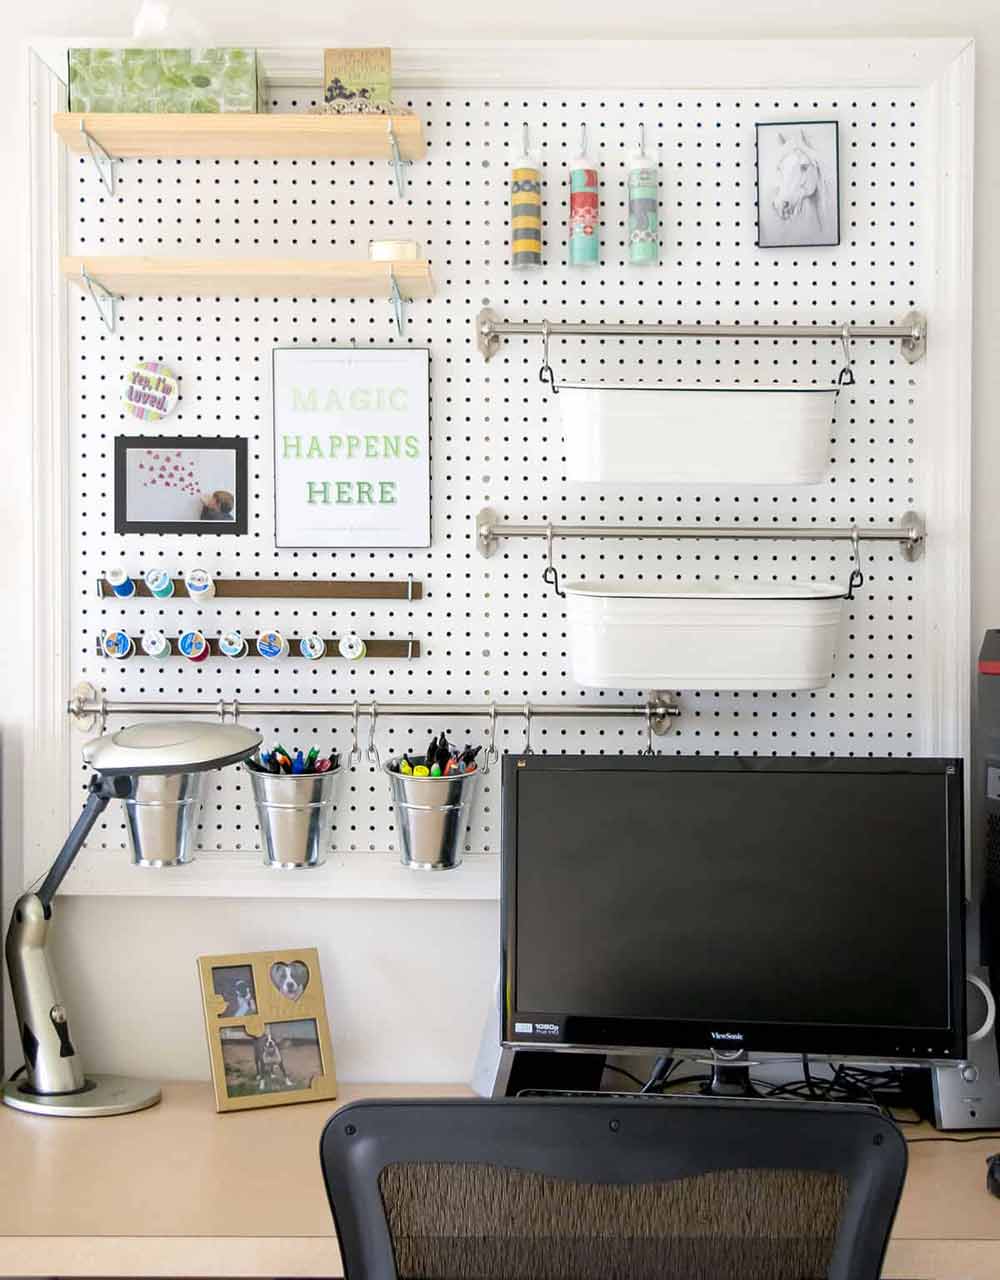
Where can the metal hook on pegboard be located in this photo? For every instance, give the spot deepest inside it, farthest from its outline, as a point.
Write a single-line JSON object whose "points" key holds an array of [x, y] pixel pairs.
{"points": [[527, 729], [397, 161], [545, 374], [857, 578], [373, 755], [354, 755], [550, 574], [491, 755], [846, 376]]}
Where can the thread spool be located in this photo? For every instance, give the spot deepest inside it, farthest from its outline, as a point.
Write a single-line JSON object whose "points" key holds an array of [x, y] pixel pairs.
{"points": [[160, 583], [232, 645], [155, 644], [117, 644], [120, 583], [272, 645], [584, 215], [312, 646], [525, 209], [353, 648], [200, 584], [193, 646], [643, 206]]}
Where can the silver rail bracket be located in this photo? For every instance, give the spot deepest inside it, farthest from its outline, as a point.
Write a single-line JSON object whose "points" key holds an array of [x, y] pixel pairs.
{"points": [[486, 539], [86, 706], [913, 343], [396, 301], [103, 162], [103, 299], [914, 533], [663, 711], [397, 162], [487, 342]]}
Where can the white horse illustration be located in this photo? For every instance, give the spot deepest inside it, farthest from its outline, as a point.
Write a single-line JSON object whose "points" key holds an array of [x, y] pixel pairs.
{"points": [[801, 196]]}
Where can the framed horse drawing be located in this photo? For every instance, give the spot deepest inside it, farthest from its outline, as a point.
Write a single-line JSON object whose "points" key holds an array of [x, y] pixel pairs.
{"points": [[798, 184]]}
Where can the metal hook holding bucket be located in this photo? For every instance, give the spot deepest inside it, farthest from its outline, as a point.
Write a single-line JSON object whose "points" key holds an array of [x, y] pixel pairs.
{"points": [[846, 376], [545, 374], [354, 756], [550, 574], [373, 755], [491, 754], [857, 578]]}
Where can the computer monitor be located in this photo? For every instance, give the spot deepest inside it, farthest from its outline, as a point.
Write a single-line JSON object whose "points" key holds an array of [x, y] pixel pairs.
{"points": [[792, 905]]}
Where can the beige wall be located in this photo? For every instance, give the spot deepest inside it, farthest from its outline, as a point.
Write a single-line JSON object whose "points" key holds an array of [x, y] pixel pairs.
{"points": [[407, 981]]}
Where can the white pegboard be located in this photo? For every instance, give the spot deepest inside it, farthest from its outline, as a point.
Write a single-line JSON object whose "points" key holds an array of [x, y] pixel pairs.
{"points": [[490, 630]]}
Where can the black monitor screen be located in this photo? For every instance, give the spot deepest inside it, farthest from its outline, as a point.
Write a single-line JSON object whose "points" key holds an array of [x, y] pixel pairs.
{"points": [[794, 905]]}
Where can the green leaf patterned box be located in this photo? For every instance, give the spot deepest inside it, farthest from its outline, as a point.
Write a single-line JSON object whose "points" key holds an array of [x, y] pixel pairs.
{"points": [[162, 80]]}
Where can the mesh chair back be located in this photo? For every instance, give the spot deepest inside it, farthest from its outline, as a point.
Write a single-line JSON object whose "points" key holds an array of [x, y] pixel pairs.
{"points": [[692, 1189]]}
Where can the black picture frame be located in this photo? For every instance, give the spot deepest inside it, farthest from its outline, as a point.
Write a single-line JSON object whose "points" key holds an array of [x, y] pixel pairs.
{"points": [[237, 445], [830, 243]]}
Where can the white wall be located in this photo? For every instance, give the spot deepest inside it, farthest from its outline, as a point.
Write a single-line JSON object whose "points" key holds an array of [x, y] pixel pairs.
{"points": [[407, 982]]}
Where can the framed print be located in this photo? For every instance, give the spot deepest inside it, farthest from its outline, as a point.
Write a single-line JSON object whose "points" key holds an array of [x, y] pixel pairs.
{"points": [[180, 484], [351, 447], [798, 184], [268, 1035]]}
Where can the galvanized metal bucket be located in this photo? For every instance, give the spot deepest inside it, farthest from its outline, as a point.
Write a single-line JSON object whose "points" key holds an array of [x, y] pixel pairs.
{"points": [[160, 818], [432, 815], [295, 812]]}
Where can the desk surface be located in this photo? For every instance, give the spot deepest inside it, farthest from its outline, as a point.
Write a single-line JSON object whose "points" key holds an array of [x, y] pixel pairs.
{"points": [[179, 1190]]}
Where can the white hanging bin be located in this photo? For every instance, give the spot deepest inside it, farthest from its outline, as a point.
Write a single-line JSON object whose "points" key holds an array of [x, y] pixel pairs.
{"points": [[631, 434], [776, 636]]}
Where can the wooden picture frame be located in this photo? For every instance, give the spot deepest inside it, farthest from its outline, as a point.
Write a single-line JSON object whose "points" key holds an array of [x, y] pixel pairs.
{"points": [[268, 1035], [209, 491]]}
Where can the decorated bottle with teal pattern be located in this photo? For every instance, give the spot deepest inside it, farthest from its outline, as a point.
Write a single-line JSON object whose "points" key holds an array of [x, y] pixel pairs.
{"points": [[584, 238], [643, 210]]}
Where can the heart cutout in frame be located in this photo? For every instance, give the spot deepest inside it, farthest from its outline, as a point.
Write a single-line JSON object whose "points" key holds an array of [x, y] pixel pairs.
{"points": [[290, 979]]}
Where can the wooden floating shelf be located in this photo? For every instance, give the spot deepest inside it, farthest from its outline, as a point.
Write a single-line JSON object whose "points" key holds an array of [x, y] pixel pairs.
{"points": [[273, 277], [375, 649], [244, 136], [278, 589]]}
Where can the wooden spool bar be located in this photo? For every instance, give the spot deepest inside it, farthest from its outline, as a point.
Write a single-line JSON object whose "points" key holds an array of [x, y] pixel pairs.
{"points": [[280, 589]]}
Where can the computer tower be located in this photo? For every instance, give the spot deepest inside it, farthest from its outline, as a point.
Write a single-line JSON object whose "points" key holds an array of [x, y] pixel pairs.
{"points": [[967, 1095]]}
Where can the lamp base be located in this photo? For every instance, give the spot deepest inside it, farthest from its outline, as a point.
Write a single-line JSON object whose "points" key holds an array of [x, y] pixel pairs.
{"points": [[103, 1096]]}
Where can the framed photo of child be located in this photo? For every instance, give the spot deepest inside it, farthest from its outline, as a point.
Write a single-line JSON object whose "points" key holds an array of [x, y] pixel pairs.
{"points": [[180, 484], [268, 1035]]}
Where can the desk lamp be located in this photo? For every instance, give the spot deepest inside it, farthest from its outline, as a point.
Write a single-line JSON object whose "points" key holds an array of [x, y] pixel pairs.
{"points": [[53, 1082]]}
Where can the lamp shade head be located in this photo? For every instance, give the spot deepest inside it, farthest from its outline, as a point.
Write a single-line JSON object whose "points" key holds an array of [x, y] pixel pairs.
{"points": [[170, 746]]}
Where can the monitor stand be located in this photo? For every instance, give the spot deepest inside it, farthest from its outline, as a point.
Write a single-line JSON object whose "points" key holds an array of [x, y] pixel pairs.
{"points": [[730, 1076]]}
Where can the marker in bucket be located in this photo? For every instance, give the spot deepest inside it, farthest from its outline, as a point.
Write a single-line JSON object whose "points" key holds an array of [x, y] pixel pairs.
{"points": [[160, 583], [193, 646], [232, 644], [272, 645], [200, 584], [155, 644], [117, 644], [120, 583], [312, 646]]}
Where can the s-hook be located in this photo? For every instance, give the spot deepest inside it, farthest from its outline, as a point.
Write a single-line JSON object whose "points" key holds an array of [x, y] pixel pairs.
{"points": [[649, 750], [550, 574], [545, 374], [527, 729], [846, 376], [372, 753], [491, 754], [354, 756], [857, 578]]}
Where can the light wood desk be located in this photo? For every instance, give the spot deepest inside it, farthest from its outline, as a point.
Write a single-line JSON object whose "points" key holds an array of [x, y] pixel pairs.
{"points": [[181, 1191]]}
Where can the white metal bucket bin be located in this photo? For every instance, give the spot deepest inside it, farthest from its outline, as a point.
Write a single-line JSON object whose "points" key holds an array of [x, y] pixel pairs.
{"points": [[648, 434], [776, 636]]}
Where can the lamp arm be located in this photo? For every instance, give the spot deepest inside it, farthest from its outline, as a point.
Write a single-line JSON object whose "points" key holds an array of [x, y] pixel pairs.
{"points": [[102, 791]]}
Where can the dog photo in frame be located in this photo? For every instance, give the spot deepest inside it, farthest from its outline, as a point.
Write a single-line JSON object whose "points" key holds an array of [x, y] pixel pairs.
{"points": [[268, 1035]]}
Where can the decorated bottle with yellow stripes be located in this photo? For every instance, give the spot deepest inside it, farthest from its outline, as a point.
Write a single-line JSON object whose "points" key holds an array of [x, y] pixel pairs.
{"points": [[526, 211]]}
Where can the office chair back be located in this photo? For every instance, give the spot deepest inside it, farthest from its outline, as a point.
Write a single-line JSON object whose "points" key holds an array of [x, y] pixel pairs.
{"points": [[562, 1189]]}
